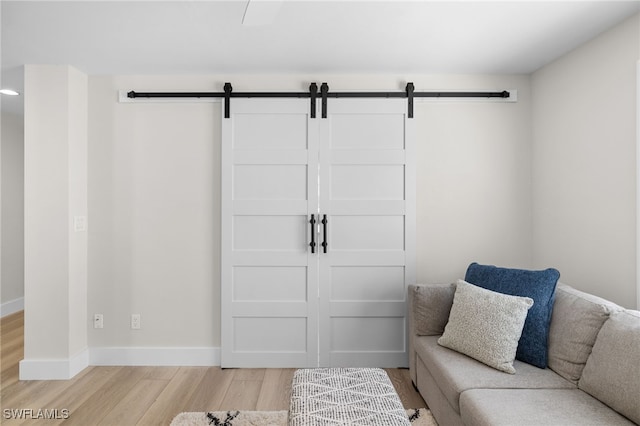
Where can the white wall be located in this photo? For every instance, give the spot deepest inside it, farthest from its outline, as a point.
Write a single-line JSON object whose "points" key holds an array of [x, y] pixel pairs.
{"points": [[12, 292], [474, 181], [154, 203], [584, 164]]}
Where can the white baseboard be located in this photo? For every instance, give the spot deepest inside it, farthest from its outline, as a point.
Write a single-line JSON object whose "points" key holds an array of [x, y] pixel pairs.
{"points": [[11, 307], [53, 369], [64, 369], [153, 356]]}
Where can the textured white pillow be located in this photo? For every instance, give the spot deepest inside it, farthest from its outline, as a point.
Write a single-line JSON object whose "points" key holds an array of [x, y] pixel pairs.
{"points": [[486, 325]]}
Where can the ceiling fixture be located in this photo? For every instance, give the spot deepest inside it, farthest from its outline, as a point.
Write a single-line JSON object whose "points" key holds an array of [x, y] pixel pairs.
{"points": [[9, 92]]}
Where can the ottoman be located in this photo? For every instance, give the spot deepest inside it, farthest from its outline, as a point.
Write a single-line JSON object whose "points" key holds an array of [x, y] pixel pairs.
{"points": [[345, 396]]}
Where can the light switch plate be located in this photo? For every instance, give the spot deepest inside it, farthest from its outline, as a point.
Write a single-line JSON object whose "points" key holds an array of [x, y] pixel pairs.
{"points": [[79, 223]]}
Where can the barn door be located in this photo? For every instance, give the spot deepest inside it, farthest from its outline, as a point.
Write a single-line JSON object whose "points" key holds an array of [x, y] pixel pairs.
{"points": [[342, 302], [367, 191], [269, 276]]}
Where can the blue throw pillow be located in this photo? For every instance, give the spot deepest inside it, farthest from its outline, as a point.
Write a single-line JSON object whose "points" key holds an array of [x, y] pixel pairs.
{"points": [[538, 285]]}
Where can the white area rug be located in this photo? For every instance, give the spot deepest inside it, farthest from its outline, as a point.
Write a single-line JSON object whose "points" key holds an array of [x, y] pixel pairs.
{"points": [[418, 417]]}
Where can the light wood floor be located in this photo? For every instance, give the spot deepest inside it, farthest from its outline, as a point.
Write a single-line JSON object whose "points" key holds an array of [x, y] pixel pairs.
{"points": [[148, 395]]}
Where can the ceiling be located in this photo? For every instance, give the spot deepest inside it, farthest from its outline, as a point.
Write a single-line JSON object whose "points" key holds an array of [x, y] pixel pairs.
{"points": [[298, 36]]}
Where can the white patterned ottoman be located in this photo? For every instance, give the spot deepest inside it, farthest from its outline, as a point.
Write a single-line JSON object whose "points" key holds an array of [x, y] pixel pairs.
{"points": [[345, 396]]}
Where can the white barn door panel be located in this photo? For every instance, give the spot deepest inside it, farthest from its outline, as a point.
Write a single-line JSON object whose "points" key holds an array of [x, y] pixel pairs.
{"points": [[269, 283], [344, 304], [367, 191]]}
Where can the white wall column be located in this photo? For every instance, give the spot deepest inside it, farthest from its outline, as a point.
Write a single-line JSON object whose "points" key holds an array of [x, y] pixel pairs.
{"points": [[55, 344]]}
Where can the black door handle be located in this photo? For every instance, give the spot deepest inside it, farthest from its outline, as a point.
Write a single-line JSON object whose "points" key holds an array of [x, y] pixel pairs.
{"points": [[313, 234], [325, 243]]}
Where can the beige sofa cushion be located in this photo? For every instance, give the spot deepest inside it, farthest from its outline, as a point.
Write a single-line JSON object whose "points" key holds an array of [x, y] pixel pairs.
{"points": [[431, 305], [455, 372], [575, 322], [536, 407], [612, 372]]}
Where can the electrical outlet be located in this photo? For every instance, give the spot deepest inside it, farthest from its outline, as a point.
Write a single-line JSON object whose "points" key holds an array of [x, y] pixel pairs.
{"points": [[135, 321], [98, 321]]}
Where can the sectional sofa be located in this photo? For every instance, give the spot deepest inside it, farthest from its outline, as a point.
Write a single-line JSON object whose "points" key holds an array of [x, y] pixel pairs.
{"points": [[592, 375]]}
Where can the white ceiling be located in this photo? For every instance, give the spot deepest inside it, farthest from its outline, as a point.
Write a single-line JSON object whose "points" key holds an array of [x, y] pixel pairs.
{"points": [[349, 36]]}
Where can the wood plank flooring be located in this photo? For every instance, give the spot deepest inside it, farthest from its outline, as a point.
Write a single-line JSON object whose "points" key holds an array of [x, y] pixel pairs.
{"points": [[146, 395]]}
